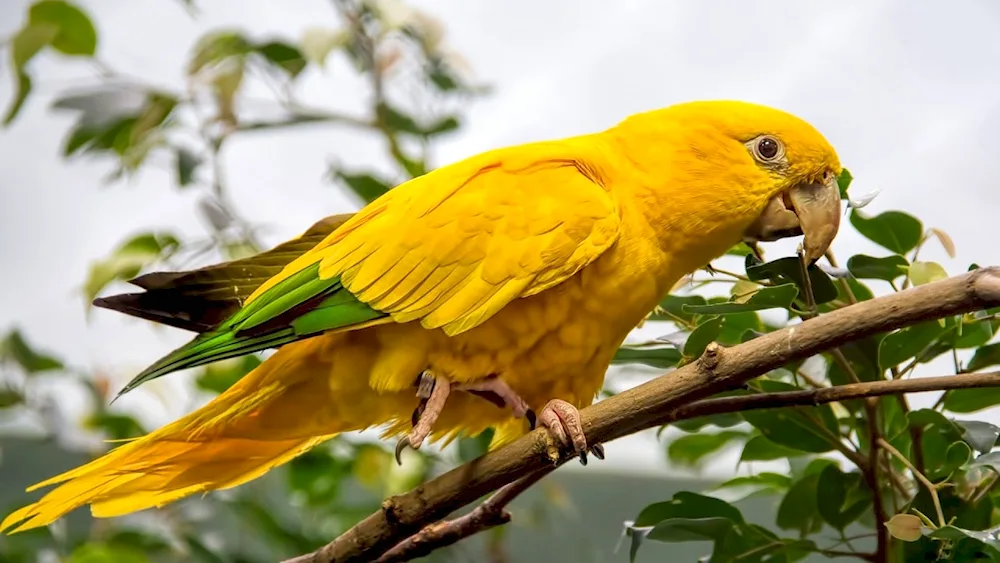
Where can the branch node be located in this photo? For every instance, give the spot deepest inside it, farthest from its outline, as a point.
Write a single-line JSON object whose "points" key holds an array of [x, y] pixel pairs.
{"points": [[391, 509], [986, 285], [709, 359]]}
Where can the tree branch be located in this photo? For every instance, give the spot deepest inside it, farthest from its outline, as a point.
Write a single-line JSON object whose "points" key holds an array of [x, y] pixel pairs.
{"points": [[651, 403], [491, 513], [487, 515]]}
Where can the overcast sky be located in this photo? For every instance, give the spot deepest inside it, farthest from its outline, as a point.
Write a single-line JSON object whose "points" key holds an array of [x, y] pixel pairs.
{"points": [[906, 91]]}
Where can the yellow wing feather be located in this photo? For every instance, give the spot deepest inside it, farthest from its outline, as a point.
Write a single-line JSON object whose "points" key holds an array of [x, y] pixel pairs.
{"points": [[453, 247]]}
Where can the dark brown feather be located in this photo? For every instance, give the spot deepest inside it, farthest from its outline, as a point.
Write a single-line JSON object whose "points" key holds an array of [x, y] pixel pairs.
{"points": [[198, 300]]}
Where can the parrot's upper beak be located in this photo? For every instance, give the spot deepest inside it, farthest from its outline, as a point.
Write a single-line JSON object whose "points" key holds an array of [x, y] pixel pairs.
{"points": [[811, 209]]}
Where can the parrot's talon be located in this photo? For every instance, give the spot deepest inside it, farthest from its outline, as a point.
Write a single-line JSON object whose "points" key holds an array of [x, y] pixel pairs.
{"points": [[426, 413], [418, 412], [562, 420], [598, 451], [532, 419], [401, 445]]}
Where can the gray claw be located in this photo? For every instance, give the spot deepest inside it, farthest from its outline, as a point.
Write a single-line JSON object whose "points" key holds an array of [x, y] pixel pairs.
{"points": [[401, 445], [532, 419]]}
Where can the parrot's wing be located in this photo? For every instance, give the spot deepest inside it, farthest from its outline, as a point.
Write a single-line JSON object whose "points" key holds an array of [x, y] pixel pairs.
{"points": [[449, 248], [452, 250], [199, 300]]}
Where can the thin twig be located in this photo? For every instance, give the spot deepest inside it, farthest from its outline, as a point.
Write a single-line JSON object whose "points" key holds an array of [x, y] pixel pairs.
{"points": [[871, 478], [919, 476], [490, 513]]}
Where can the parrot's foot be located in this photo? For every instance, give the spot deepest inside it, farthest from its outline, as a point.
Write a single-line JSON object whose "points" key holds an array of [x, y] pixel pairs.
{"points": [[499, 393], [562, 420], [433, 391]]}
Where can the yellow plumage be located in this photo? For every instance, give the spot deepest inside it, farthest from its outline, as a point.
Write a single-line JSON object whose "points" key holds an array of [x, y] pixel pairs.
{"points": [[529, 263]]}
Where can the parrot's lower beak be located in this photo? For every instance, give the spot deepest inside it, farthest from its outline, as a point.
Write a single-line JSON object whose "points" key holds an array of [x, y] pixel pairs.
{"points": [[810, 209]]}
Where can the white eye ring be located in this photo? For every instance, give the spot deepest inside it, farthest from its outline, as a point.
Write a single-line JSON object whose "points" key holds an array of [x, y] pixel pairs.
{"points": [[767, 148]]}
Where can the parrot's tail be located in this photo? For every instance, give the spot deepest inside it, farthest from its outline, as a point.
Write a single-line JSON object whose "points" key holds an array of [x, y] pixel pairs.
{"points": [[289, 404]]}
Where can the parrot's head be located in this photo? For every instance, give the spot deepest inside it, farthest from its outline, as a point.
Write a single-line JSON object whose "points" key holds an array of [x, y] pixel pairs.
{"points": [[754, 170]]}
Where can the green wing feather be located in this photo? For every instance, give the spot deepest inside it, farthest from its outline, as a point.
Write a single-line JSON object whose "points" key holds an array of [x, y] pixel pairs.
{"points": [[298, 307], [210, 301]]}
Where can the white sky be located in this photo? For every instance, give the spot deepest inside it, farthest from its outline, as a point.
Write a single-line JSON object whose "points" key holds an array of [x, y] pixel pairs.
{"points": [[906, 91]]}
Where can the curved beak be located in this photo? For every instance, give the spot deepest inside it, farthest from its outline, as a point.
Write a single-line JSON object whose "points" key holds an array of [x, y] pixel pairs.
{"points": [[810, 209]]}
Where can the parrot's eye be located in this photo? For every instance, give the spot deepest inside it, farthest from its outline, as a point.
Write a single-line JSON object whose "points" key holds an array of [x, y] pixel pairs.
{"points": [[767, 148]]}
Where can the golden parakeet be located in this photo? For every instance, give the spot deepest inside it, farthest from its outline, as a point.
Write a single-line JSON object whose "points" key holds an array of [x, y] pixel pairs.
{"points": [[474, 296]]}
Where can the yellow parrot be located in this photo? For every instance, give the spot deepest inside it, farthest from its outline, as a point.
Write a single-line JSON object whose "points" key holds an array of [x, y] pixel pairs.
{"points": [[492, 292]]}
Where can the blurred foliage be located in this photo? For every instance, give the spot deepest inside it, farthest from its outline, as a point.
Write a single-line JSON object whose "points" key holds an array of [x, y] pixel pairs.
{"points": [[400, 54], [135, 125]]}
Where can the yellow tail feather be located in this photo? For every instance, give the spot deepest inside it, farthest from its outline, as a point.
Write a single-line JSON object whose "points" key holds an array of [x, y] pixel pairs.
{"points": [[289, 404]]}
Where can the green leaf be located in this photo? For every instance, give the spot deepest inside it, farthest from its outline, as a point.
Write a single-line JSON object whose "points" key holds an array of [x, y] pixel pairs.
{"points": [[200, 551], [844, 182], [655, 354], [957, 455], [722, 420], [897, 231], [691, 529], [802, 428], [316, 477], [907, 343], [833, 501], [860, 291], [798, 509], [76, 34], [759, 448], [187, 163], [971, 400], [317, 43], [116, 426], [985, 357], [10, 398], [216, 46], [50, 23], [686, 504], [219, 376], [789, 270], [886, 268], [399, 121], [673, 307], [944, 449], [762, 479], [366, 186], [23, 89], [758, 485], [284, 56], [29, 41], [15, 348], [25, 44], [776, 297], [926, 272], [137, 539], [689, 450], [701, 337], [105, 553], [990, 538], [982, 436], [741, 249], [469, 448], [990, 460], [128, 260]]}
